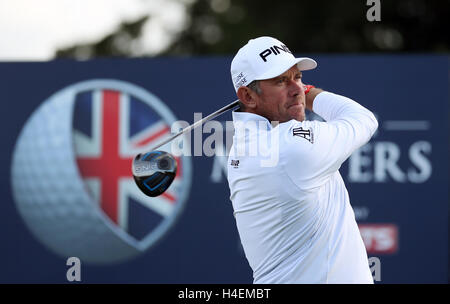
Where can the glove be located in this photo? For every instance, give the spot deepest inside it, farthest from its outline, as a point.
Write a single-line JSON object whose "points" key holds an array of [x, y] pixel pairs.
{"points": [[308, 87]]}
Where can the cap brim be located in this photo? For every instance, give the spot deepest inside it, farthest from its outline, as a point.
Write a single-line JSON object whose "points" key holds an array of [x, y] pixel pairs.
{"points": [[303, 64], [306, 63]]}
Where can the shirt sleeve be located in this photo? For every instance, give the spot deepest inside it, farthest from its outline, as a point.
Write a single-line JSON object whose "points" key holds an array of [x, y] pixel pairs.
{"points": [[316, 150]]}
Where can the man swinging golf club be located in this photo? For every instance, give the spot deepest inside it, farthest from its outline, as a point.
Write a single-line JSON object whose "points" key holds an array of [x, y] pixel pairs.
{"points": [[294, 218]]}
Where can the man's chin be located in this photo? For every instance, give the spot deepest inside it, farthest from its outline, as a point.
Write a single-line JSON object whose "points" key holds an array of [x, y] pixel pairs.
{"points": [[298, 114], [301, 118]]}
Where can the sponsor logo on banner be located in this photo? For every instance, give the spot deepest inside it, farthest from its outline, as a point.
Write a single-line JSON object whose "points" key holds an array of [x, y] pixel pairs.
{"points": [[385, 159], [379, 238], [72, 177]]}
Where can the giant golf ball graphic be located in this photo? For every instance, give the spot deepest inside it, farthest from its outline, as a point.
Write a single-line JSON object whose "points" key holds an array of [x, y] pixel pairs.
{"points": [[71, 172]]}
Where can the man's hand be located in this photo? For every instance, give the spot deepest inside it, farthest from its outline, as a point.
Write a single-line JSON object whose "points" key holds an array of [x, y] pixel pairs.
{"points": [[310, 93]]}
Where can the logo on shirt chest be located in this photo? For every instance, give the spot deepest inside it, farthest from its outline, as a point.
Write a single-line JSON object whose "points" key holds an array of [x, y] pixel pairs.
{"points": [[306, 134]]}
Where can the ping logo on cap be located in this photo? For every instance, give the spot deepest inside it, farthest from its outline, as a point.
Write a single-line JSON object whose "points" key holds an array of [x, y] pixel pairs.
{"points": [[274, 50]]}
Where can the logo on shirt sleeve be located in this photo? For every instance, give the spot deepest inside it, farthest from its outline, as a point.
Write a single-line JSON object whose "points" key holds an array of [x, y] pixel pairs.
{"points": [[235, 163], [306, 134]]}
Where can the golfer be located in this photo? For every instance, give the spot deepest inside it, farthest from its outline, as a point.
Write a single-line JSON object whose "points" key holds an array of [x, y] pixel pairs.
{"points": [[294, 216]]}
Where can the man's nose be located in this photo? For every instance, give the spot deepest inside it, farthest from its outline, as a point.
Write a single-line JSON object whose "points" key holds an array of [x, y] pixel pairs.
{"points": [[296, 87]]}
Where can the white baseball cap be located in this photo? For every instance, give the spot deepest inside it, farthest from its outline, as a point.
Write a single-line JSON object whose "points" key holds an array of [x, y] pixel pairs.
{"points": [[264, 58]]}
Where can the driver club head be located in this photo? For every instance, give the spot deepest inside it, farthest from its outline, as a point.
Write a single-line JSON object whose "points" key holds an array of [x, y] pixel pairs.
{"points": [[154, 171]]}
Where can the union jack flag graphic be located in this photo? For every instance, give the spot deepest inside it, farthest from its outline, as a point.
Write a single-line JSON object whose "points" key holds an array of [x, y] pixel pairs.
{"points": [[111, 126]]}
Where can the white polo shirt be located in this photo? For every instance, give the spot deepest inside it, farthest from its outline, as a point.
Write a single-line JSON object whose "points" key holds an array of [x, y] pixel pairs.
{"points": [[291, 207]]}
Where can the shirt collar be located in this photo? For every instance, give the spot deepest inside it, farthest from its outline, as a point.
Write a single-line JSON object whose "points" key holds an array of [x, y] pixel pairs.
{"points": [[242, 118]]}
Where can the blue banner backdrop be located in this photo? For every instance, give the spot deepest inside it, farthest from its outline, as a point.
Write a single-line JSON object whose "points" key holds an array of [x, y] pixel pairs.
{"points": [[56, 205]]}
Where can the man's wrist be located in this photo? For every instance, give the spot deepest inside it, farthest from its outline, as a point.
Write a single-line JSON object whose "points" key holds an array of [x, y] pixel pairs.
{"points": [[308, 87]]}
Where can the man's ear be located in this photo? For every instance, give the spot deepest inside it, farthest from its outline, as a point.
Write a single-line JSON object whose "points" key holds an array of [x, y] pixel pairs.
{"points": [[247, 96]]}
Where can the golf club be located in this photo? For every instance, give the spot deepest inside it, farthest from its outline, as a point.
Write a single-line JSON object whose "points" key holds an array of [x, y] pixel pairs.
{"points": [[154, 171]]}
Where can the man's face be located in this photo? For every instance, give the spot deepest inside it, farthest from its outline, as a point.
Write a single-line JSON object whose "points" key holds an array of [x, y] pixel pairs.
{"points": [[282, 98]]}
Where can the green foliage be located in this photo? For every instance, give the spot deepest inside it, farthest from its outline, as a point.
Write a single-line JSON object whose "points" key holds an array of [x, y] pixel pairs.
{"points": [[221, 27]]}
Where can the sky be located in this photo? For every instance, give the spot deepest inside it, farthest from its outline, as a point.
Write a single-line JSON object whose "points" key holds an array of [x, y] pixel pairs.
{"points": [[32, 30]]}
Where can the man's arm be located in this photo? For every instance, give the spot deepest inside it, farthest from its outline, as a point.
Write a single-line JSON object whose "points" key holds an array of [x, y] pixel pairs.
{"points": [[348, 126]]}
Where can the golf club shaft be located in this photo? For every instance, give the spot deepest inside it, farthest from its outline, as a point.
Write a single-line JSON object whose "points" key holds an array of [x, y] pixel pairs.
{"points": [[233, 105]]}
